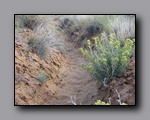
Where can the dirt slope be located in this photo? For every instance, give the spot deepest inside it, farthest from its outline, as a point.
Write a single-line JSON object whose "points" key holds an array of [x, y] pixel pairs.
{"points": [[75, 81], [125, 85], [66, 78]]}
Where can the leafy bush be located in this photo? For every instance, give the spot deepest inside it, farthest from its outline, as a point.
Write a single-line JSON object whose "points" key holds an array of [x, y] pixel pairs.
{"points": [[109, 58]]}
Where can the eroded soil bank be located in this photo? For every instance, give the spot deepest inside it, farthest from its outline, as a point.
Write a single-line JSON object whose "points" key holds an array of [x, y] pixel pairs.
{"points": [[65, 79]]}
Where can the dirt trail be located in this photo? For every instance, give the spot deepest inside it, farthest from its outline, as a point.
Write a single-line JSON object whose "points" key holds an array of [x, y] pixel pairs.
{"points": [[74, 80], [66, 78]]}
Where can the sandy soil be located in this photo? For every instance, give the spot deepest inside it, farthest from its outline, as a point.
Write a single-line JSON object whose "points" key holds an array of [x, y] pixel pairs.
{"points": [[66, 79], [75, 81]]}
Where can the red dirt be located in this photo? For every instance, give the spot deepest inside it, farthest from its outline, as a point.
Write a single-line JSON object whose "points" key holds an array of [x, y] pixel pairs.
{"points": [[66, 78], [124, 84]]}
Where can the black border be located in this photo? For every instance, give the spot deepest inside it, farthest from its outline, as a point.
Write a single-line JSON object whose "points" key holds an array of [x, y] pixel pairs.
{"points": [[100, 106]]}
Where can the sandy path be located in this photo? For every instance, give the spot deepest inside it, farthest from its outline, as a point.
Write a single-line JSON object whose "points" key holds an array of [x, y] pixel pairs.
{"points": [[68, 81], [74, 80]]}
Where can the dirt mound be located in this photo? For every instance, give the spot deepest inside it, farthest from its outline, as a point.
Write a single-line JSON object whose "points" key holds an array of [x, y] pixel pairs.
{"points": [[125, 85]]}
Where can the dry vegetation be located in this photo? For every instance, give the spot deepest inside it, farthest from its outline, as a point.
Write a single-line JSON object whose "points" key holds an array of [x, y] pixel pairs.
{"points": [[53, 42]]}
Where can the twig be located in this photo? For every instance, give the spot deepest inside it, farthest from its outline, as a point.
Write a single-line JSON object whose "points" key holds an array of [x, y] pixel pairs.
{"points": [[109, 100], [73, 101], [119, 100], [104, 82]]}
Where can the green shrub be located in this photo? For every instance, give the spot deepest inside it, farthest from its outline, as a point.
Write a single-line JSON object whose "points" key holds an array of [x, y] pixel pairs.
{"points": [[109, 58], [42, 78], [99, 102]]}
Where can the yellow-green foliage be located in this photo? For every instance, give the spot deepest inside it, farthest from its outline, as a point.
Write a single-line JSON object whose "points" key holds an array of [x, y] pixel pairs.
{"points": [[110, 57], [99, 102]]}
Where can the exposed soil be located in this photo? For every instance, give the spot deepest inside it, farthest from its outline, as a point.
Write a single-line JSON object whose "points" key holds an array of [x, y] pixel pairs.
{"points": [[125, 85], [66, 78]]}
